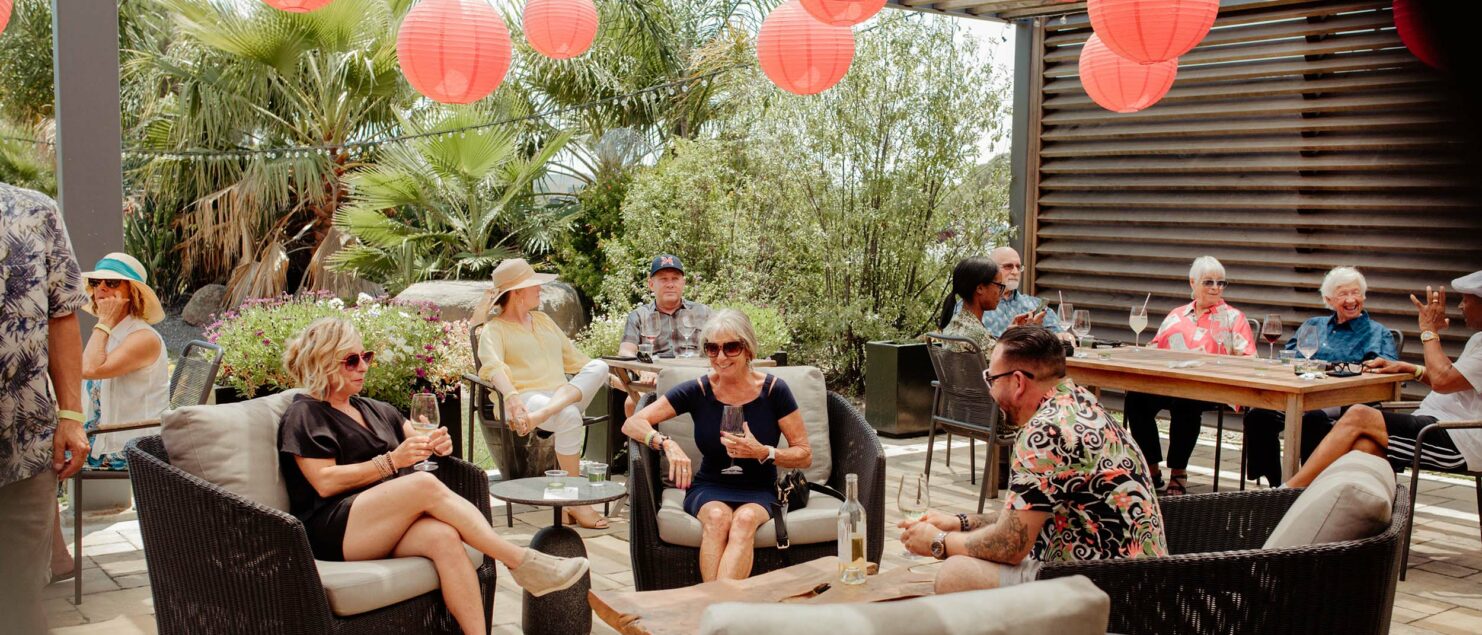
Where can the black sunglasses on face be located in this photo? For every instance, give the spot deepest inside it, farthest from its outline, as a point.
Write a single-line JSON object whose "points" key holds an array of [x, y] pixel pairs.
{"points": [[731, 349], [352, 361], [992, 378], [108, 283]]}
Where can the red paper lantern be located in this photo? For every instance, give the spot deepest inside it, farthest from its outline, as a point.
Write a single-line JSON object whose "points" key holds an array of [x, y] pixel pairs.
{"points": [[560, 29], [1122, 85], [800, 54], [843, 12], [1148, 31], [297, 6], [5, 6], [1415, 24], [453, 51]]}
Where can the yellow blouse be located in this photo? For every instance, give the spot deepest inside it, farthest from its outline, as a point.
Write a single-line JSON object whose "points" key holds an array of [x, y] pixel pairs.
{"points": [[536, 358]]}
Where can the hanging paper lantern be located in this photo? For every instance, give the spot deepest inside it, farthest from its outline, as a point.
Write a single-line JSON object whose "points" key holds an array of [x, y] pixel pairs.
{"points": [[297, 6], [5, 6], [1122, 85], [560, 29], [1148, 31], [453, 51], [800, 54], [843, 12], [1416, 24]]}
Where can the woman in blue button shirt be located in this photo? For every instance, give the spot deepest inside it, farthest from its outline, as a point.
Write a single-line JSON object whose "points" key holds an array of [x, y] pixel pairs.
{"points": [[1349, 335]]}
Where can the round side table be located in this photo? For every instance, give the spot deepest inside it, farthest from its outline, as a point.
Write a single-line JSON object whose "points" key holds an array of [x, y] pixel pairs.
{"points": [[561, 612]]}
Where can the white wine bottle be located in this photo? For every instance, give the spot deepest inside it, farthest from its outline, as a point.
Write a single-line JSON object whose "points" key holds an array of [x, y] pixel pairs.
{"points": [[852, 523]]}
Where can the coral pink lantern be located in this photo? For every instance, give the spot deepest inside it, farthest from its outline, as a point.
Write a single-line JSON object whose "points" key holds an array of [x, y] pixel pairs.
{"points": [[297, 6], [800, 54], [1122, 85], [5, 6], [453, 51], [560, 29], [1414, 22], [843, 12], [1148, 31]]}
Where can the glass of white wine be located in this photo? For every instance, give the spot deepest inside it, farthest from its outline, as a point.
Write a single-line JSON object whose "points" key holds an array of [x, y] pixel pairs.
{"points": [[1138, 320], [913, 499], [424, 421]]}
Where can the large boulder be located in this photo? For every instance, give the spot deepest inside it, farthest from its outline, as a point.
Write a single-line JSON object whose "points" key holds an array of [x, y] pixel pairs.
{"points": [[206, 301], [457, 298]]}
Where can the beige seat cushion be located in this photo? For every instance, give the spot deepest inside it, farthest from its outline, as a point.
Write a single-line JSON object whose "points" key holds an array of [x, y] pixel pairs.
{"points": [[1063, 606], [807, 526], [808, 388], [1353, 498], [366, 585], [232, 445]]}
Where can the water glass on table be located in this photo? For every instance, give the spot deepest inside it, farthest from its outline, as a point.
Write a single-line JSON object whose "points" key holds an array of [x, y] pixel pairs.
{"points": [[596, 474], [424, 421], [555, 484], [913, 499]]}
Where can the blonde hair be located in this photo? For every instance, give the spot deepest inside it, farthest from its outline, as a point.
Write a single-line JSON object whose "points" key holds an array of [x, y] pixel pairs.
{"points": [[313, 358], [731, 322]]}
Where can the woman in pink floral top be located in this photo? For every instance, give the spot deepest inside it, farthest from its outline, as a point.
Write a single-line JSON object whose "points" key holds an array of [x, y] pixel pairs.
{"points": [[1209, 325]]}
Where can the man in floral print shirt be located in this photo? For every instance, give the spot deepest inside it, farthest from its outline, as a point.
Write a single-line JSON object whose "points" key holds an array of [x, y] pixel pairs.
{"points": [[40, 288], [1078, 486]]}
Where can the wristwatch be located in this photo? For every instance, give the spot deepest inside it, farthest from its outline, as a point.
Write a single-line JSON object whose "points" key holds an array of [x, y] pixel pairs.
{"points": [[1426, 336], [771, 455], [939, 546]]}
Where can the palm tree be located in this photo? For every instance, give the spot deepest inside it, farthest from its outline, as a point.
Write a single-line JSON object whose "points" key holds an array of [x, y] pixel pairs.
{"points": [[223, 79], [451, 205]]}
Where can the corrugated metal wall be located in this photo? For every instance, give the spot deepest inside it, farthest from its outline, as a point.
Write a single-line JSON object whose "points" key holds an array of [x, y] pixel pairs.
{"points": [[1299, 136]]}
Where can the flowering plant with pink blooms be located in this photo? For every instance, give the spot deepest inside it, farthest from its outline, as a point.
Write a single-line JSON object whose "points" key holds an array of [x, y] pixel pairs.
{"points": [[416, 351]]}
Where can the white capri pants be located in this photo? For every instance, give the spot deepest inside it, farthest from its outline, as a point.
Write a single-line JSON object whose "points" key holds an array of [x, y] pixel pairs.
{"points": [[566, 424]]}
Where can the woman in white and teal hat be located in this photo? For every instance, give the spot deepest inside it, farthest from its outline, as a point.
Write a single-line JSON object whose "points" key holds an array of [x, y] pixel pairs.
{"points": [[124, 365]]}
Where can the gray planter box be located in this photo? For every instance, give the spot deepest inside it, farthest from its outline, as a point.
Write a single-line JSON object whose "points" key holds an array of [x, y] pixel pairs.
{"points": [[898, 392]]}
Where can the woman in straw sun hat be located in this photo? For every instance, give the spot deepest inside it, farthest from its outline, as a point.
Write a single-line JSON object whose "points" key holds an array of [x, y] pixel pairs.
{"points": [[527, 357], [124, 367]]}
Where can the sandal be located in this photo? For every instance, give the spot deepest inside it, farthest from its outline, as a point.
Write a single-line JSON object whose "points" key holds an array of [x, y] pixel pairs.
{"points": [[1178, 485], [599, 523]]}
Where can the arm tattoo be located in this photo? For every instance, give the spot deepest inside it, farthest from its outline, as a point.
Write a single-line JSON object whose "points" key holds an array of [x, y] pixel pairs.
{"points": [[979, 521], [1001, 542]]}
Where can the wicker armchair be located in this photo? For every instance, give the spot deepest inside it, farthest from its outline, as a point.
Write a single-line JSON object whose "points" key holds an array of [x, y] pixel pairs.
{"points": [[1218, 579], [660, 565], [190, 385], [219, 563], [961, 404]]}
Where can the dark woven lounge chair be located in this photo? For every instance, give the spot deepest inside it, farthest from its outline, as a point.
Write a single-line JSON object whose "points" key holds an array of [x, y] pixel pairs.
{"points": [[1218, 580], [219, 563]]}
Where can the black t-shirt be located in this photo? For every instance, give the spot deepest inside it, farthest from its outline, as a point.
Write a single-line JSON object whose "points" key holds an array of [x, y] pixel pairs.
{"points": [[761, 415], [313, 429]]}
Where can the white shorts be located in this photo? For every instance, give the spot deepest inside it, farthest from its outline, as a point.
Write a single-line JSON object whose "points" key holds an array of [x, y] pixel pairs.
{"points": [[1026, 571], [567, 424]]}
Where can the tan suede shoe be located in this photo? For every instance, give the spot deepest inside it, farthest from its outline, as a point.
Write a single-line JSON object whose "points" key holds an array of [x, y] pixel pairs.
{"points": [[540, 574]]}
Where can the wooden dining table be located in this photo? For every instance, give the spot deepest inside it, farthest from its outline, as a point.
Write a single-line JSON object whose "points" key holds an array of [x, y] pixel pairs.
{"points": [[1235, 380], [626, 371]]}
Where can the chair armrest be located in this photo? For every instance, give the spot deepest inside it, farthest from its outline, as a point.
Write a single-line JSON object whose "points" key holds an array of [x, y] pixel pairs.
{"points": [[855, 448], [122, 426], [479, 390], [467, 479], [644, 484]]}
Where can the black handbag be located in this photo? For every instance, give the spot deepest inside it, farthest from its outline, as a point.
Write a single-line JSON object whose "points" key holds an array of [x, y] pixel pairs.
{"points": [[793, 491]]}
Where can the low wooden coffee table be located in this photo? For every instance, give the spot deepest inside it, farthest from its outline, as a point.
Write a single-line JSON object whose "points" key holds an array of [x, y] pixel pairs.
{"points": [[678, 611]]}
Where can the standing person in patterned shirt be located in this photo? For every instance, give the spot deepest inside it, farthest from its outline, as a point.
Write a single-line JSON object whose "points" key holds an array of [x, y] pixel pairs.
{"points": [[666, 280], [40, 289], [1078, 486], [977, 286], [1206, 325]]}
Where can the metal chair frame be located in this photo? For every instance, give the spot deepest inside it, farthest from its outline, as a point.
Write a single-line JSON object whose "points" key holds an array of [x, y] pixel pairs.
{"points": [[959, 406]]}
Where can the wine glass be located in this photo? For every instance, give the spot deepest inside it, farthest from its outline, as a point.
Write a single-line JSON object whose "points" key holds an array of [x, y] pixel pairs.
{"points": [[424, 421], [1138, 320], [648, 332], [913, 499], [1219, 332], [1271, 332], [687, 330], [1067, 311], [731, 420], [1309, 340], [1080, 324]]}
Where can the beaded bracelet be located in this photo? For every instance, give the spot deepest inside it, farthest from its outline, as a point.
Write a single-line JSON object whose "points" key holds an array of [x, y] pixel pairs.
{"points": [[648, 439]]}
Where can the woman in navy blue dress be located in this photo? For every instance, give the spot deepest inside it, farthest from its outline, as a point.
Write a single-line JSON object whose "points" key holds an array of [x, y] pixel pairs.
{"points": [[731, 507]]}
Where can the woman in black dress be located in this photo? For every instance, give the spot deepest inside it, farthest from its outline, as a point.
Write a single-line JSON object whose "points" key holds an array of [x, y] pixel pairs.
{"points": [[340, 455], [730, 506]]}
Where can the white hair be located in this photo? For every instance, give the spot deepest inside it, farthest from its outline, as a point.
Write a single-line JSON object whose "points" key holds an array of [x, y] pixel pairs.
{"points": [[1205, 265], [1342, 276], [734, 323]]}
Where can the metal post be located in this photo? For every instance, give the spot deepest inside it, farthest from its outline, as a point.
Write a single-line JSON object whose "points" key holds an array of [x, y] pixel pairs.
{"points": [[1019, 134]]}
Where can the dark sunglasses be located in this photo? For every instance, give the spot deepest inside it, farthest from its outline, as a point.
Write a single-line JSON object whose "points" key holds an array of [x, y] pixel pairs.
{"points": [[1209, 284], [731, 349], [352, 361], [106, 282], [992, 378]]}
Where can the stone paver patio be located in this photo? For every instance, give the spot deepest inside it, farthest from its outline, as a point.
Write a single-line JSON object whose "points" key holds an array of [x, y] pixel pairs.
{"points": [[1442, 595]]}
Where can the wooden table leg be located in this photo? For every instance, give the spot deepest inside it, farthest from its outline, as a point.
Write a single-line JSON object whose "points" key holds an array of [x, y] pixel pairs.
{"points": [[1291, 457]]}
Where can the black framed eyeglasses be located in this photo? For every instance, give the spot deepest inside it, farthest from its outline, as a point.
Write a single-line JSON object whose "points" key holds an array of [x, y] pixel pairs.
{"points": [[992, 378], [731, 349], [1212, 284], [352, 361], [1002, 288]]}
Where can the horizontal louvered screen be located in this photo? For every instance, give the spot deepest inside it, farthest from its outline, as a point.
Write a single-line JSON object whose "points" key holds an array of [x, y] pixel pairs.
{"points": [[1298, 136]]}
